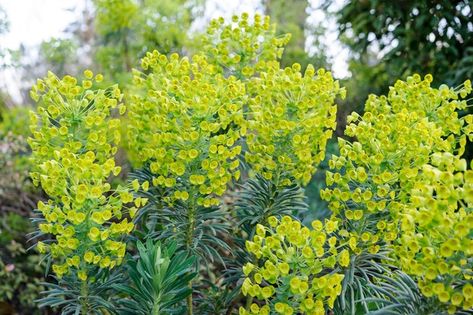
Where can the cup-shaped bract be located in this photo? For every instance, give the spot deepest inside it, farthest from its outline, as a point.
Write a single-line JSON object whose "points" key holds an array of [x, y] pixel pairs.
{"points": [[291, 116], [186, 121], [436, 243], [240, 46], [295, 270], [403, 183], [73, 144]]}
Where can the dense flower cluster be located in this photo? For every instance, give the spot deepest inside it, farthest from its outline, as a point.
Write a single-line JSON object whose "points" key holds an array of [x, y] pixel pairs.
{"points": [[242, 47], [186, 123], [72, 137], [403, 183], [189, 118], [437, 244], [297, 269], [401, 188], [291, 117]]}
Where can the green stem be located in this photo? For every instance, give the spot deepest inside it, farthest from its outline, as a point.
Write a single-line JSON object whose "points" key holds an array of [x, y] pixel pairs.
{"points": [[155, 310], [189, 300], [84, 293], [190, 233]]}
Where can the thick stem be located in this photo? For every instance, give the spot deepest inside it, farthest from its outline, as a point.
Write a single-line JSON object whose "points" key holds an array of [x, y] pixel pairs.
{"points": [[189, 300], [84, 292], [155, 310], [190, 233]]}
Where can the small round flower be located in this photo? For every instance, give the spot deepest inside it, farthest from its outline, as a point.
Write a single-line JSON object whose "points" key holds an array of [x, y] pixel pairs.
{"points": [[289, 267], [186, 126], [72, 151], [406, 168]]}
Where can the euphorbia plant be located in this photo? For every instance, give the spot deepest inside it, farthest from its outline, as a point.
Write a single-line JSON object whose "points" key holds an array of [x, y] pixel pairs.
{"points": [[73, 143], [192, 120], [404, 185], [229, 124], [297, 272]]}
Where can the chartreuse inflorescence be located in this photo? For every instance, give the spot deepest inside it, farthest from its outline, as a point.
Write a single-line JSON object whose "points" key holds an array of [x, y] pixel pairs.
{"points": [[291, 117], [186, 124], [401, 186], [190, 118], [403, 183], [298, 268], [437, 245], [74, 140], [241, 47]]}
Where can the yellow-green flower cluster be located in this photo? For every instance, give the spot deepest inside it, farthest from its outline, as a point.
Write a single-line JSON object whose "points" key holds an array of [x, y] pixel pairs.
{"points": [[242, 47], [297, 269], [291, 117], [186, 122], [403, 183], [436, 244], [73, 144], [189, 117]]}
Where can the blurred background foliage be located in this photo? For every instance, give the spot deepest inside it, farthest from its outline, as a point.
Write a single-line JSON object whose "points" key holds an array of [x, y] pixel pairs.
{"points": [[411, 37], [386, 40]]}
